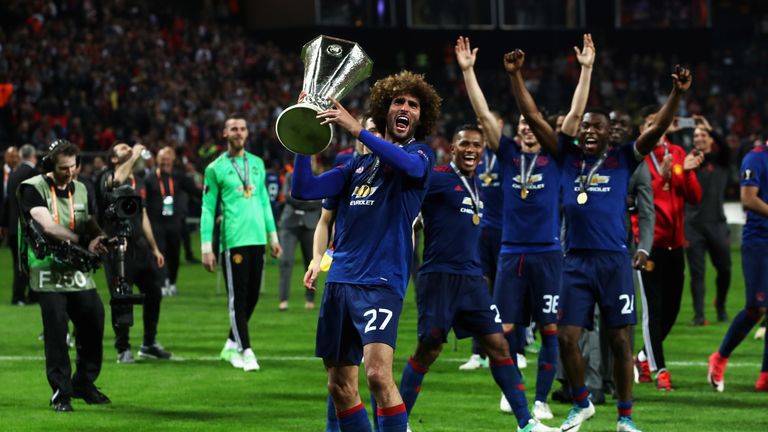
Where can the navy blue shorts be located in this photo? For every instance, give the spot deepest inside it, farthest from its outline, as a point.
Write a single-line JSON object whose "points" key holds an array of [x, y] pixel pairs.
{"points": [[352, 316], [490, 245], [528, 287], [446, 301], [754, 263], [600, 277]]}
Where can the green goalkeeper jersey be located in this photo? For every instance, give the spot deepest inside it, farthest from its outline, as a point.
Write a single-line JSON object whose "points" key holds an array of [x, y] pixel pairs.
{"points": [[247, 213]]}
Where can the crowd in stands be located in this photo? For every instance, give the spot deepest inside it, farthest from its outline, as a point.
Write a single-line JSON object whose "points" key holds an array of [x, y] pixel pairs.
{"points": [[96, 73]]}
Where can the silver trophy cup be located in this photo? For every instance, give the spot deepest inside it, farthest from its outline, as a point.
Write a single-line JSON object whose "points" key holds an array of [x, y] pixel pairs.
{"points": [[332, 67]]}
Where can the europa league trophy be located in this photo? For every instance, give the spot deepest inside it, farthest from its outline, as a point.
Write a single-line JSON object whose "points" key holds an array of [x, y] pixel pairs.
{"points": [[332, 67]]}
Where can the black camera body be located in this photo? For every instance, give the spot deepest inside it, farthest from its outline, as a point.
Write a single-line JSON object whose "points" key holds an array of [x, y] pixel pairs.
{"points": [[122, 206], [63, 252]]}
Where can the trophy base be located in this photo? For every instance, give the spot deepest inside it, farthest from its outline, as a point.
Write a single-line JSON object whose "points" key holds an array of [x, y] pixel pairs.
{"points": [[300, 132]]}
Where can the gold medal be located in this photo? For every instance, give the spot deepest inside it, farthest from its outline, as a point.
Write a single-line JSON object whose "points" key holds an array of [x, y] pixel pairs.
{"points": [[582, 198], [666, 186], [476, 219], [524, 193], [487, 179], [247, 192]]}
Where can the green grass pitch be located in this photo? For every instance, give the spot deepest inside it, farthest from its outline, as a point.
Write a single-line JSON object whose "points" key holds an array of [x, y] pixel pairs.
{"points": [[197, 392]]}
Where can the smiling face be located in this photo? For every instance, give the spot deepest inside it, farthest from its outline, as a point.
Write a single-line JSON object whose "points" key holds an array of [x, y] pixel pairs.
{"points": [[621, 126], [165, 159], [403, 118], [594, 133], [526, 136], [702, 140], [466, 149]]}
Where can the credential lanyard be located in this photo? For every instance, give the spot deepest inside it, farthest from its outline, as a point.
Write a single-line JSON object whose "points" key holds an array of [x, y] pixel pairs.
{"points": [[585, 182], [162, 186], [55, 200]]}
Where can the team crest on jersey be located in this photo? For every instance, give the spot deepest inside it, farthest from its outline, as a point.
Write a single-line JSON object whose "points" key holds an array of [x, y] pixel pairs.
{"points": [[237, 259], [359, 170]]}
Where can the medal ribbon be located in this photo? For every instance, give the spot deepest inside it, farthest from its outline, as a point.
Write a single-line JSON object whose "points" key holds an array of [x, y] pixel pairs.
{"points": [[655, 161], [489, 164], [162, 186], [243, 178], [55, 200], [473, 193], [525, 175], [585, 182]]}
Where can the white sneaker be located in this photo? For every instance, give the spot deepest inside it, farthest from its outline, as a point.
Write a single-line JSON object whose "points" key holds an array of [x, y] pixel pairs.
{"points": [[474, 362], [577, 416], [541, 411], [627, 425], [408, 428], [249, 361], [536, 426], [504, 405], [236, 359], [522, 363]]}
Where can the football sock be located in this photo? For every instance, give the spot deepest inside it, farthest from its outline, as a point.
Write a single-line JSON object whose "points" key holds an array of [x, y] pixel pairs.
{"points": [[507, 377], [332, 422], [739, 329], [354, 419], [625, 409], [545, 375], [410, 383], [580, 396], [393, 419]]}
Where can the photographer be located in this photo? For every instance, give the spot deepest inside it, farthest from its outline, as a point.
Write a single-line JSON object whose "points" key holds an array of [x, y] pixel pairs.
{"points": [[168, 193], [142, 261], [58, 204]]}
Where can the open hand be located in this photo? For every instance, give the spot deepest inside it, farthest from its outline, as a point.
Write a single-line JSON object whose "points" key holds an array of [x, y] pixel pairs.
{"points": [[586, 55], [339, 115], [465, 55]]}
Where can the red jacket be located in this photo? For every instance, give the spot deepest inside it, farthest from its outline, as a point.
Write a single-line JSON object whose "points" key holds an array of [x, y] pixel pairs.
{"points": [[670, 195]]}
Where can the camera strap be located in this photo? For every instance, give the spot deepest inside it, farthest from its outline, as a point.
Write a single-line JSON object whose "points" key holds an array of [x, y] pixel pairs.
{"points": [[55, 199], [162, 186]]}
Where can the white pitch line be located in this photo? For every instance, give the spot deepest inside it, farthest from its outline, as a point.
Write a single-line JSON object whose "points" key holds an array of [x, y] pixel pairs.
{"points": [[701, 364]]}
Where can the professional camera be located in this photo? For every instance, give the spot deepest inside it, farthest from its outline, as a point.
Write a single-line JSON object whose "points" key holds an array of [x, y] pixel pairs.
{"points": [[122, 206], [63, 252]]}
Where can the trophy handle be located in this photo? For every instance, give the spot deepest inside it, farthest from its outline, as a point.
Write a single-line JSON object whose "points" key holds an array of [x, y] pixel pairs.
{"points": [[300, 131]]}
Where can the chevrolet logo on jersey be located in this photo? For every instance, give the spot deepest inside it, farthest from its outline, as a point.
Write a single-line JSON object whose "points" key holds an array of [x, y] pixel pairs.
{"points": [[536, 182], [594, 184], [360, 194], [467, 201]]}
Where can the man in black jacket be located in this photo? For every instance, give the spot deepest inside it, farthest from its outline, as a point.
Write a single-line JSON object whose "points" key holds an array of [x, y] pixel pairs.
{"points": [[9, 217]]}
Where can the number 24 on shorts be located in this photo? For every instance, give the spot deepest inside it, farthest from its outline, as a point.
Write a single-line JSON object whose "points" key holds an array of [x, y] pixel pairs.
{"points": [[374, 313]]}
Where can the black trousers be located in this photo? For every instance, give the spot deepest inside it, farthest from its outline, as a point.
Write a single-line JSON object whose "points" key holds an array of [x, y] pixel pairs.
{"points": [[243, 269], [715, 239], [144, 274], [168, 238], [85, 310], [661, 291], [289, 237], [20, 280]]}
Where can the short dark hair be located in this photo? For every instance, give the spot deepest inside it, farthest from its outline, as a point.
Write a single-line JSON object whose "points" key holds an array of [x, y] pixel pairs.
{"points": [[62, 147], [466, 127], [235, 116], [599, 110], [648, 110]]}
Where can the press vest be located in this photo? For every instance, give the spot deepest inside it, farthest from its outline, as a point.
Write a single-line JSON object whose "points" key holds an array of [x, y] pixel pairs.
{"points": [[48, 275]]}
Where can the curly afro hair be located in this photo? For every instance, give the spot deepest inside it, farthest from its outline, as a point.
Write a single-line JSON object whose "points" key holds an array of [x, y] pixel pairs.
{"points": [[404, 82]]}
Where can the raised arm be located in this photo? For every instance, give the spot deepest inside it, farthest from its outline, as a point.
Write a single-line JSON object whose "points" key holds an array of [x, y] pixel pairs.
{"points": [[124, 170], [681, 82], [513, 63], [307, 187], [414, 165], [586, 58], [465, 57]]}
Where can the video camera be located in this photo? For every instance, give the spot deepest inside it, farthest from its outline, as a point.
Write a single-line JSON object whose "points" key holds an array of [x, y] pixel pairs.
{"points": [[122, 206], [63, 252]]}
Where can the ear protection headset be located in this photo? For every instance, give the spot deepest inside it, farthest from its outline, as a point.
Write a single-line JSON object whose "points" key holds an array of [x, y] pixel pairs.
{"points": [[49, 160]]}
